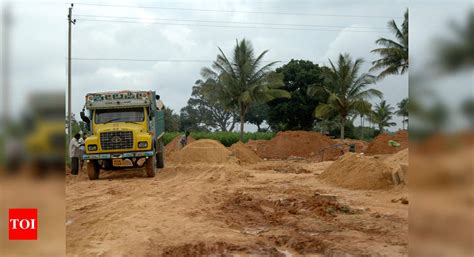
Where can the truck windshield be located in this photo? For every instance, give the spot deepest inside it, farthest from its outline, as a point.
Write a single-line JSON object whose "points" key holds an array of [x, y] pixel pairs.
{"points": [[119, 115]]}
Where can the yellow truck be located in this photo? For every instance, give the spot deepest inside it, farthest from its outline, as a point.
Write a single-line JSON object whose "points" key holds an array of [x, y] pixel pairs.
{"points": [[125, 129], [44, 139]]}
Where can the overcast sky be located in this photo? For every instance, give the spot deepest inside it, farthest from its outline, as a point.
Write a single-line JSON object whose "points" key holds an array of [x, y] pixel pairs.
{"points": [[43, 64]]}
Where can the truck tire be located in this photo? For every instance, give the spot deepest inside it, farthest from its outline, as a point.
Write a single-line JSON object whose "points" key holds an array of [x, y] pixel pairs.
{"points": [[150, 166], [93, 170], [160, 154]]}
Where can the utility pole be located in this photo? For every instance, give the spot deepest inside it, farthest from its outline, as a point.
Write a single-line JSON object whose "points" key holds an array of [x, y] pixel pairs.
{"points": [[69, 122]]}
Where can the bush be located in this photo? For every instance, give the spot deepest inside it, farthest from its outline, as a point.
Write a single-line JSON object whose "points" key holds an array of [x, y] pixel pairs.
{"points": [[169, 136], [226, 138]]}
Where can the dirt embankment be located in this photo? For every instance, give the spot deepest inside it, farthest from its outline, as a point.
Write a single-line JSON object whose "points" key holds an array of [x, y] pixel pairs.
{"points": [[304, 144], [174, 145], [203, 151], [380, 144], [356, 171], [244, 154]]}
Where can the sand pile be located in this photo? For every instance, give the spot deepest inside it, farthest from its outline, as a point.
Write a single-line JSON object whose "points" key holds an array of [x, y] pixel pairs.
{"points": [[356, 171], [244, 154], [174, 145], [295, 144], [398, 158], [380, 144], [203, 151]]}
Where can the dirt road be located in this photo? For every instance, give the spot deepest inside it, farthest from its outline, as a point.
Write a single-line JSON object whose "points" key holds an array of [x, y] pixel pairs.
{"points": [[271, 208]]}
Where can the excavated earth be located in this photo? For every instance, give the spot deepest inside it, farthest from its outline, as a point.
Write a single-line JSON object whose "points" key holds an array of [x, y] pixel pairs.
{"points": [[226, 206]]}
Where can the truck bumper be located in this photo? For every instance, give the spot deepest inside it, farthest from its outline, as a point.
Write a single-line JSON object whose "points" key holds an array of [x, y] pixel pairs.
{"points": [[117, 155]]}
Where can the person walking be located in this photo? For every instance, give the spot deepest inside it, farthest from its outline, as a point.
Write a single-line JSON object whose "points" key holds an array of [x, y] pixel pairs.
{"points": [[184, 140], [74, 153]]}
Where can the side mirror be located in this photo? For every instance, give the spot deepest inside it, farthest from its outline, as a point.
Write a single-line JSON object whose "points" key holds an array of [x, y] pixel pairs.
{"points": [[85, 118]]}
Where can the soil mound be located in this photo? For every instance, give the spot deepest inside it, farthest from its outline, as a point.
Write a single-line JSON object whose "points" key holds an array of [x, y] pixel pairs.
{"points": [[356, 171], [244, 154], [174, 145], [203, 151], [303, 144], [396, 159], [380, 144]]}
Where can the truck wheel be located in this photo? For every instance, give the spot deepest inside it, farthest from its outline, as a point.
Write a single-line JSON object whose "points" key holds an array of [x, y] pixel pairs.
{"points": [[150, 167], [93, 170], [160, 154]]}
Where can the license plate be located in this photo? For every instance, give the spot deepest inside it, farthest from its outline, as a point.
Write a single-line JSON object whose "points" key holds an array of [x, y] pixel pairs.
{"points": [[117, 162]]}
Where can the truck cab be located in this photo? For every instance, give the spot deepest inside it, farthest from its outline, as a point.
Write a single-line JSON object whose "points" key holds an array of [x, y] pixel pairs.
{"points": [[125, 129]]}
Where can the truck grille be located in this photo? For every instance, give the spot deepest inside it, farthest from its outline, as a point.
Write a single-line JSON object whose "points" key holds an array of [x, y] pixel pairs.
{"points": [[116, 140]]}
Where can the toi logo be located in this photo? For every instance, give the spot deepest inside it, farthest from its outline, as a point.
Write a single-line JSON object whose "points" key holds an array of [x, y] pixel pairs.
{"points": [[23, 224]]}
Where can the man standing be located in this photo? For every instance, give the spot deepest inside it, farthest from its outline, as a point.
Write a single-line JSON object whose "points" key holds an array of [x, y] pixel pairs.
{"points": [[159, 104], [82, 151], [74, 153]]}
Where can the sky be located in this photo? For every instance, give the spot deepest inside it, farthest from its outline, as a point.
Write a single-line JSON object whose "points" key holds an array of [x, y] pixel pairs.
{"points": [[174, 53]]}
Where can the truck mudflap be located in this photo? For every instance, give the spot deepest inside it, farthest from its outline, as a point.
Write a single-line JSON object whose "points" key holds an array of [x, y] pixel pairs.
{"points": [[117, 155]]}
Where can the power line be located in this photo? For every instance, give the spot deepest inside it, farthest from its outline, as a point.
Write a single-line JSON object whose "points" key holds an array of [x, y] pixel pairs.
{"points": [[235, 11], [140, 60], [157, 60], [229, 22], [230, 26]]}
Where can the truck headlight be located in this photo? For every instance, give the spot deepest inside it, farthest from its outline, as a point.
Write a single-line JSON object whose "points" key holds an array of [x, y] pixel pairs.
{"points": [[142, 144], [92, 147]]}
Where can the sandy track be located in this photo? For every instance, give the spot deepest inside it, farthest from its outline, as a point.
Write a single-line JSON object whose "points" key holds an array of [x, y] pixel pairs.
{"points": [[269, 209]]}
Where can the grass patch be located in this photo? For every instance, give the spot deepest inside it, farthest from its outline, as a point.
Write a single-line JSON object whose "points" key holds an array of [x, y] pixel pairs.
{"points": [[226, 138]]}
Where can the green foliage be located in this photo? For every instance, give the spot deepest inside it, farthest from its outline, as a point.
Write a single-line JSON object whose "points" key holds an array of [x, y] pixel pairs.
{"points": [[467, 109], [296, 112], [206, 109], [242, 80], [347, 91], [257, 114], [169, 136], [226, 138], [382, 115], [393, 53], [457, 52], [403, 111], [364, 133], [171, 120]]}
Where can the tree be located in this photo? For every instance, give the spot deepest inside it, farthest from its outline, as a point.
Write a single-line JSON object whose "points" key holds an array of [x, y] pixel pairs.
{"points": [[393, 53], [347, 91], [242, 80], [467, 109], [257, 114], [296, 113], [190, 119], [206, 106], [171, 120], [456, 53], [382, 115], [403, 111]]}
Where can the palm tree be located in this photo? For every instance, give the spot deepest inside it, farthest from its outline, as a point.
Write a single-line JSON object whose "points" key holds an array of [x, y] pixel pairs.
{"points": [[347, 91], [403, 111], [382, 115], [242, 80], [393, 53], [456, 53]]}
